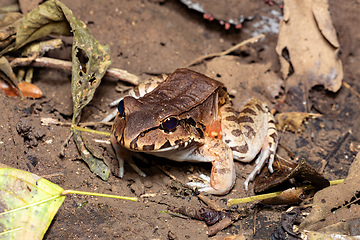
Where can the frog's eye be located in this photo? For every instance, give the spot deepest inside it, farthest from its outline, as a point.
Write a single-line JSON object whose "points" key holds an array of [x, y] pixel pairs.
{"points": [[170, 123], [121, 108]]}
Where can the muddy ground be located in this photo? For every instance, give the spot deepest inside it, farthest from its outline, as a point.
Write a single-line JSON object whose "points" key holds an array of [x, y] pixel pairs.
{"points": [[149, 38]]}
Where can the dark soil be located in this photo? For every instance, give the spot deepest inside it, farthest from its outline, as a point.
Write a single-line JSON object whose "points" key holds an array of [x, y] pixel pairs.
{"points": [[149, 38]]}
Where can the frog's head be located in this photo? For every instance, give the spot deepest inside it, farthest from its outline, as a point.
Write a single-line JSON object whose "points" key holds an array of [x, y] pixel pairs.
{"points": [[139, 128]]}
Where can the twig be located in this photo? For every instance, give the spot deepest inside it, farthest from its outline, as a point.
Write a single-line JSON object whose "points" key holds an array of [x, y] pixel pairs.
{"points": [[48, 121], [211, 55], [90, 130], [175, 214], [67, 65], [232, 202], [351, 89], [64, 145], [334, 151], [222, 224], [210, 203], [337, 146], [88, 124], [66, 192], [52, 175], [254, 222]]}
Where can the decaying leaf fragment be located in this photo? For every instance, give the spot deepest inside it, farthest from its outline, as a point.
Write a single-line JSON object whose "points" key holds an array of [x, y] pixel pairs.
{"points": [[40, 48], [336, 204], [9, 22], [46, 19], [285, 228], [94, 160], [308, 47], [244, 80], [85, 79], [292, 121]]}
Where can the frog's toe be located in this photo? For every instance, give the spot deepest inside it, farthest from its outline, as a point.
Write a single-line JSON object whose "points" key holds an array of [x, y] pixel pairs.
{"points": [[198, 185], [121, 168], [201, 186], [207, 188], [205, 177]]}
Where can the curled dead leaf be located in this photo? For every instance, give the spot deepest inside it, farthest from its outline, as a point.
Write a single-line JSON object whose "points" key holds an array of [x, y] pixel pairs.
{"points": [[288, 197], [30, 90]]}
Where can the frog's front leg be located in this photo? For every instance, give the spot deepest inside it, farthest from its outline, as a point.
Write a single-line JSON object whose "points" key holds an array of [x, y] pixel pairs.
{"points": [[251, 132], [123, 154], [223, 174]]}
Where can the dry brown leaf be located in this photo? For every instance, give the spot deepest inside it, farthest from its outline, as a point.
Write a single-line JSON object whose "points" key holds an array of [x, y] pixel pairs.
{"points": [[28, 89], [336, 203], [8, 89], [245, 81], [345, 230], [308, 47], [292, 121], [289, 197]]}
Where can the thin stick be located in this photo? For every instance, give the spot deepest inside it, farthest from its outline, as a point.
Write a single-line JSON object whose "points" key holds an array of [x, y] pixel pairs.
{"points": [[52, 175], [211, 55], [67, 65], [48, 121], [271, 195], [66, 192], [90, 130], [351, 89], [64, 145]]}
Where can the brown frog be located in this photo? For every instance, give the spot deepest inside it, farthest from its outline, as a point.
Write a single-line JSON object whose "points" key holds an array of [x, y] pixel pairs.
{"points": [[187, 116]]}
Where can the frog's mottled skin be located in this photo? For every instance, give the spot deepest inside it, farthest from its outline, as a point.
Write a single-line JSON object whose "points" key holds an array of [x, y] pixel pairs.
{"points": [[199, 104]]}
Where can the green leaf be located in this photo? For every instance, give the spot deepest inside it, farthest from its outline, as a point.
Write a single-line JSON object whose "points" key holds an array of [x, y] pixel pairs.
{"points": [[28, 204]]}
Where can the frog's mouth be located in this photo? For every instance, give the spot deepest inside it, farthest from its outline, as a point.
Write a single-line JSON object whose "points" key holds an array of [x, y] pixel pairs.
{"points": [[167, 146], [184, 136], [177, 145], [180, 152]]}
